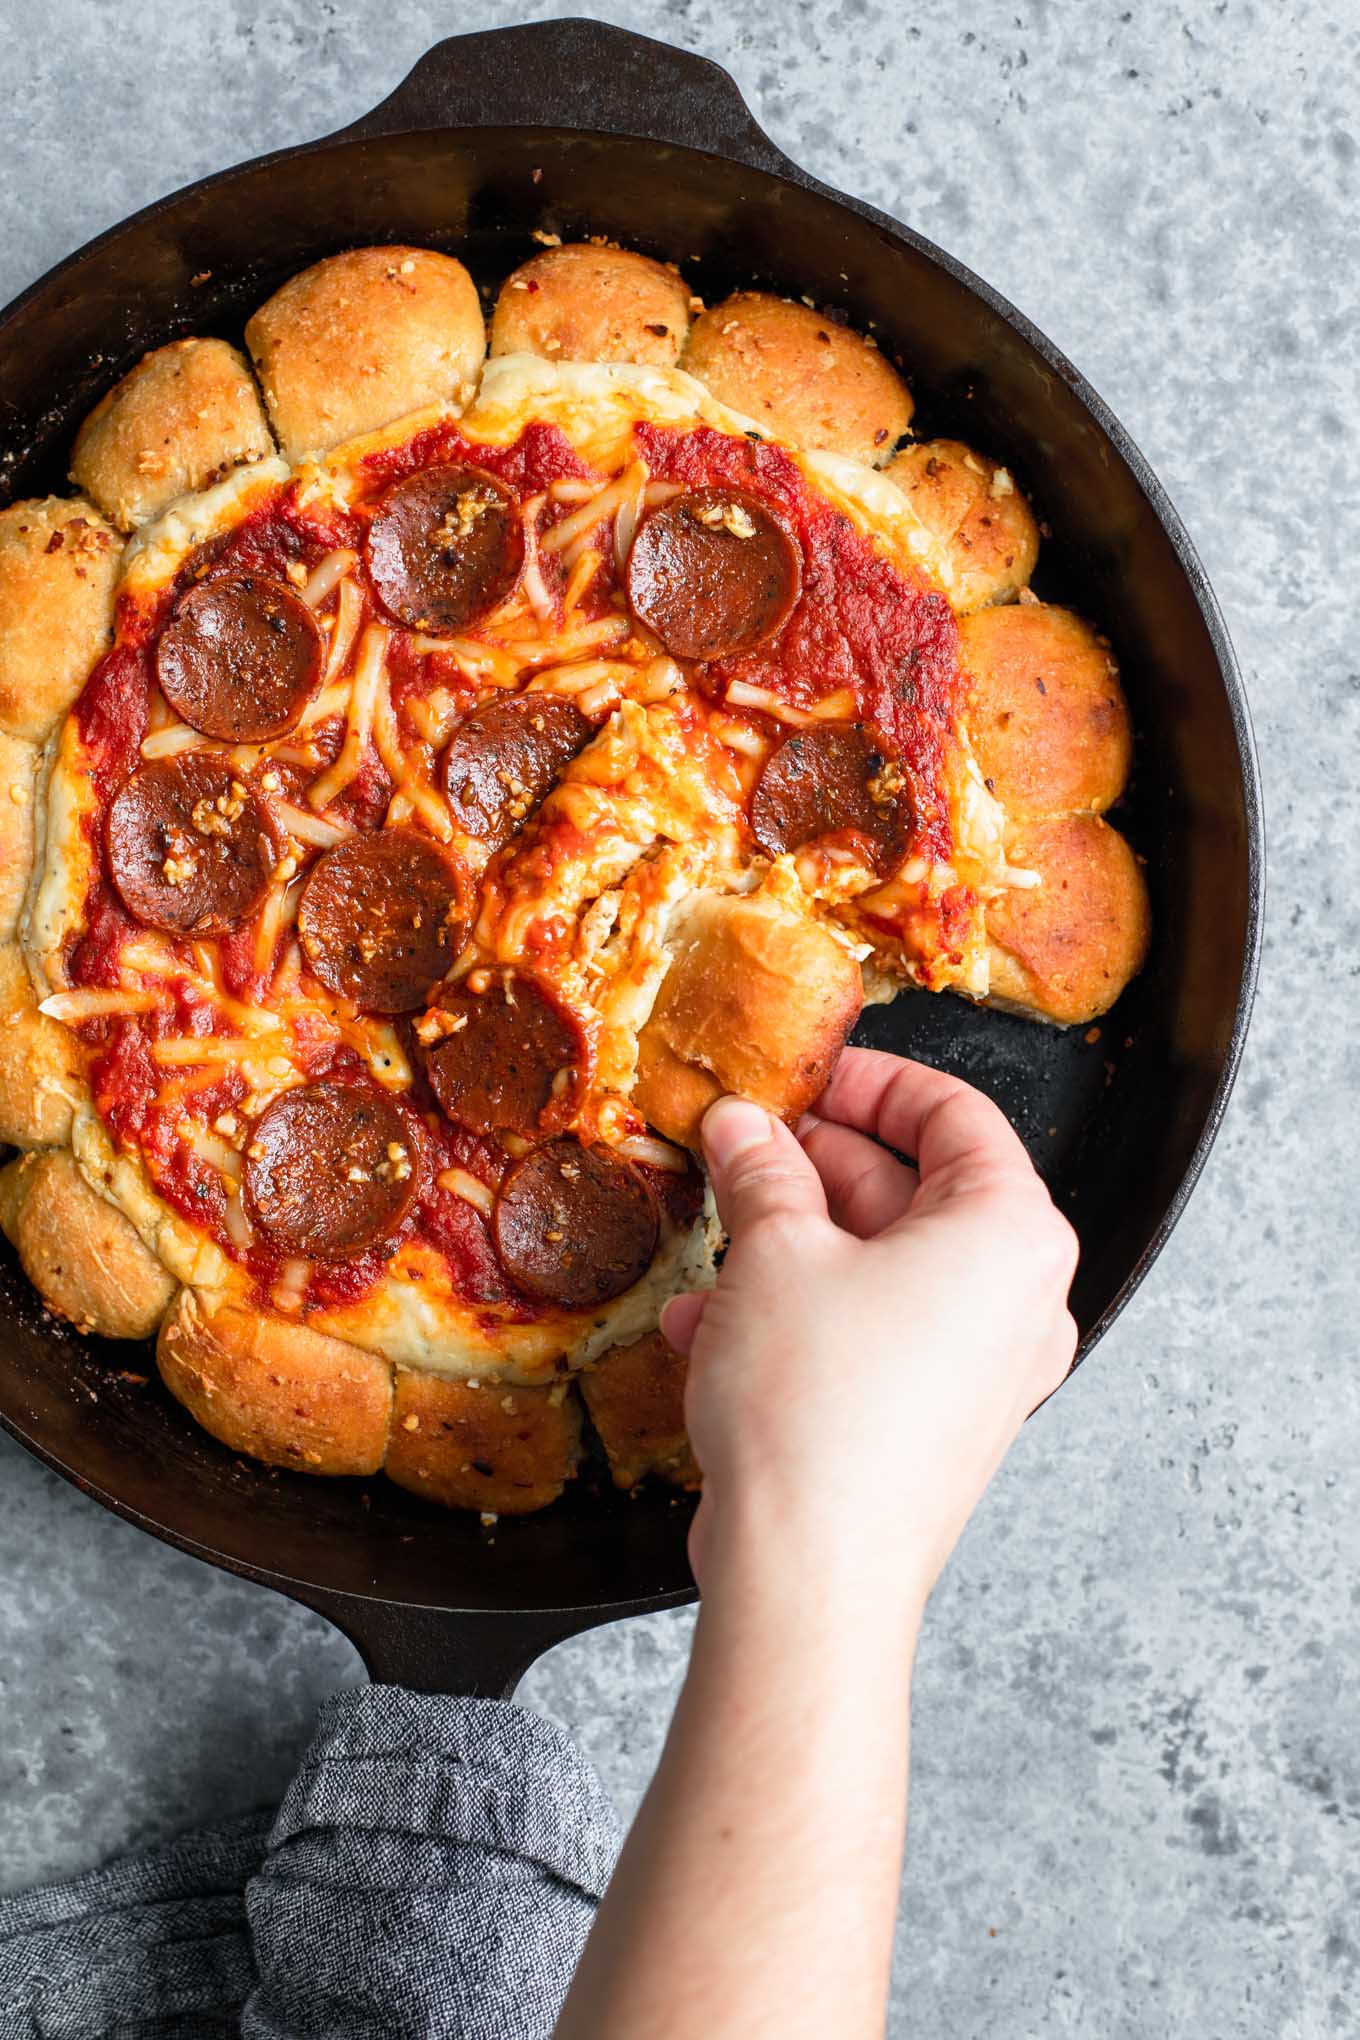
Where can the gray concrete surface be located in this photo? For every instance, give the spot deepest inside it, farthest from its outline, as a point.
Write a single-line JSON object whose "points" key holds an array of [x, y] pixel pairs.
{"points": [[1137, 1771]]}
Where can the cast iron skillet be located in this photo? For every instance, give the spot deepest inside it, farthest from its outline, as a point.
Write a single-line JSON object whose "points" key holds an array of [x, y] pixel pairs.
{"points": [[491, 136]]}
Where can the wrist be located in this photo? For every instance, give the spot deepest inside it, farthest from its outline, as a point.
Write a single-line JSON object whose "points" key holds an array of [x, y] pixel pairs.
{"points": [[804, 1568]]}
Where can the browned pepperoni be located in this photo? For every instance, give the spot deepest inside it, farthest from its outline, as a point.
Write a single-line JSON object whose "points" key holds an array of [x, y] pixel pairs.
{"points": [[445, 547], [504, 758], [574, 1225], [713, 574], [240, 658], [191, 847], [515, 1060], [330, 1170], [823, 781], [379, 919]]}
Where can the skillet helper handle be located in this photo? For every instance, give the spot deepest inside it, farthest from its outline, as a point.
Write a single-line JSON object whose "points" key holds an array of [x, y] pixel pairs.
{"points": [[577, 74], [440, 1650]]}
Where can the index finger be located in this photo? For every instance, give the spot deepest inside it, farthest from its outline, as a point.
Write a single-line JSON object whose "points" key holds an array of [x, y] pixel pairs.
{"points": [[946, 1126]]}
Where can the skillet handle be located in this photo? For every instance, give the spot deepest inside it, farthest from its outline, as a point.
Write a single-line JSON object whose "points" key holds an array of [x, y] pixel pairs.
{"points": [[440, 1650], [577, 74]]}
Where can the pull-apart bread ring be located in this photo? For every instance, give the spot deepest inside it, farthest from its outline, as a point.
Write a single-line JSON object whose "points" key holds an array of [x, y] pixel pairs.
{"points": [[468, 770]]}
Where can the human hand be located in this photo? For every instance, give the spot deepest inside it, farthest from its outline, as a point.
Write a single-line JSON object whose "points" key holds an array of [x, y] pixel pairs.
{"points": [[878, 1332]]}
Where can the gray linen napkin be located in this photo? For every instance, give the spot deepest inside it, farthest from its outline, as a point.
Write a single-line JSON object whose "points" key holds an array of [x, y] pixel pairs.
{"points": [[431, 1875]]}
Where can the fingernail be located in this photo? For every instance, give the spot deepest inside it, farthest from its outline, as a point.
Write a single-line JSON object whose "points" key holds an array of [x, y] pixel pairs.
{"points": [[731, 1127]]}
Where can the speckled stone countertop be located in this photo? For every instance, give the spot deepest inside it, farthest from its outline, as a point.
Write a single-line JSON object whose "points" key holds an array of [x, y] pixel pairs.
{"points": [[1136, 1803]]}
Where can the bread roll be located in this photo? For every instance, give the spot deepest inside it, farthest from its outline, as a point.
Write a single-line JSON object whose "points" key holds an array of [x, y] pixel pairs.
{"points": [[362, 339], [276, 1390], [1065, 949], [186, 415], [79, 1252], [756, 1000], [974, 508], [487, 1446], [41, 1066], [59, 563], [636, 1398], [18, 774], [804, 378], [581, 303], [1050, 725]]}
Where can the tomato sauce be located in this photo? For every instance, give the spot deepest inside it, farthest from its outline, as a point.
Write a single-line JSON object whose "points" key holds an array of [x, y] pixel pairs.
{"points": [[542, 454], [861, 621]]}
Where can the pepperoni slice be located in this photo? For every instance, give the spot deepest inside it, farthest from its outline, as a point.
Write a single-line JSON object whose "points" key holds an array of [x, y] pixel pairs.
{"points": [[240, 658], [574, 1225], [380, 920], [504, 758], [330, 1170], [446, 545], [713, 573], [823, 781], [191, 847], [516, 1056]]}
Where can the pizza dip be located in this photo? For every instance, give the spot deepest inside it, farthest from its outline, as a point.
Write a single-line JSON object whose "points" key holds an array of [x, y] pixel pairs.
{"points": [[428, 781]]}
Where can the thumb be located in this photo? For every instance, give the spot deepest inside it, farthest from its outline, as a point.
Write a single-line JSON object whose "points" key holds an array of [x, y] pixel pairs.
{"points": [[758, 1169]]}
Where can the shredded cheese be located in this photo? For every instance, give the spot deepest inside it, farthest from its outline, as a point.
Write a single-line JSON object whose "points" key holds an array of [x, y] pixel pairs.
{"points": [[658, 680], [378, 1043], [332, 701], [583, 522], [92, 1002], [656, 1154], [838, 707], [568, 644], [177, 1050], [290, 1291], [211, 1148], [469, 1188], [239, 1230], [348, 615], [170, 739], [574, 680], [629, 516], [582, 574], [595, 700], [412, 789], [310, 828], [368, 674], [434, 715], [739, 737], [326, 575], [533, 583]]}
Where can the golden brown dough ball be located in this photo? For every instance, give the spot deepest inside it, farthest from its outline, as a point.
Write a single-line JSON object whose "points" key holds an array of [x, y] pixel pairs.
{"points": [[972, 506], [41, 1068], [81, 1255], [276, 1390], [1065, 949], [493, 1446], [362, 339], [59, 564], [181, 419], [757, 1000], [636, 1398], [18, 772], [581, 303], [803, 377], [1049, 723]]}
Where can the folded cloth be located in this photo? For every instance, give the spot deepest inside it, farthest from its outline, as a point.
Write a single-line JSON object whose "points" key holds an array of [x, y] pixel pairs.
{"points": [[431, 1875]]}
